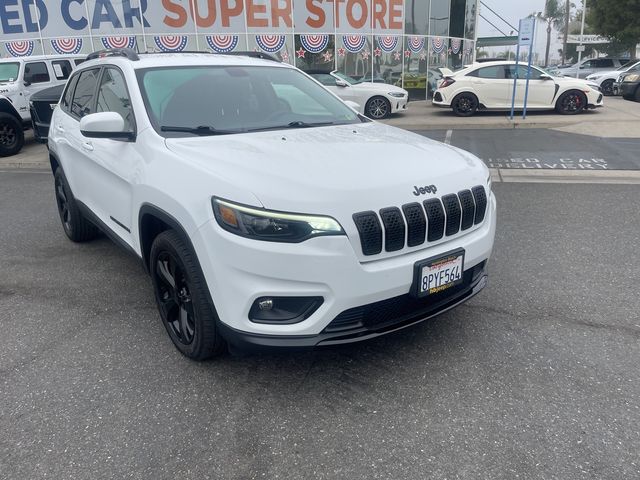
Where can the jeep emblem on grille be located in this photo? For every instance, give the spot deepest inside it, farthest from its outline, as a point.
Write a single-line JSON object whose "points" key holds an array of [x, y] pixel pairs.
{"points": [[424, 190]]}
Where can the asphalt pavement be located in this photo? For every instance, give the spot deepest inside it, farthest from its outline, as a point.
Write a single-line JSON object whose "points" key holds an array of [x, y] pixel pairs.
{"points": [[537, 377], [543, 149]]}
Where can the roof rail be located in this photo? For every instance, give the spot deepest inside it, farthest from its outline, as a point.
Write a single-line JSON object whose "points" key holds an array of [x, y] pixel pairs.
{"points": [[115, 52], [260, 55]]}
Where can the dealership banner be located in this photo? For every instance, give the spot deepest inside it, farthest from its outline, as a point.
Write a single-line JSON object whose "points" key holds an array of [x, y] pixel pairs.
{"points": [[24, 20]]}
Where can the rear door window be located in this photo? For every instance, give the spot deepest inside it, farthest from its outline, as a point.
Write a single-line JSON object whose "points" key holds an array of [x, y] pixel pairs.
{"points": [[68, 94], [36, 72], [493, 72]]}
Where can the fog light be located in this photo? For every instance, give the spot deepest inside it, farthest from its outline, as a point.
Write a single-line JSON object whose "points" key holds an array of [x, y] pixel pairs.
{"points": [[283, 310], [266, 304]]}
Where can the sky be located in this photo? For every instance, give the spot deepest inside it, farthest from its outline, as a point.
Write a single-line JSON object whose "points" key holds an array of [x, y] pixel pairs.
{"points": [[510, 10]]}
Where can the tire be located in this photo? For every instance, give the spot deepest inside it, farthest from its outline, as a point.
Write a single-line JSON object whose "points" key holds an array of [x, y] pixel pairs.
{"points": [[75, 226], [571, 103], [607, 88], [636, 97], [377, 108], [465, 104], [187, 312], [11, 135]]}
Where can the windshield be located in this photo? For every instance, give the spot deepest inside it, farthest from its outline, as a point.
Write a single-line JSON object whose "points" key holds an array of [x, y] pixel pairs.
{"points": [[210, 100], [630, 67], [347, 78], [9, 72]]}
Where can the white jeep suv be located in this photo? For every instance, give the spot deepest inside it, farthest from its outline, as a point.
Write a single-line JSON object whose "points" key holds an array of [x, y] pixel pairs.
{"points": [[267, 212], [20, 78]]}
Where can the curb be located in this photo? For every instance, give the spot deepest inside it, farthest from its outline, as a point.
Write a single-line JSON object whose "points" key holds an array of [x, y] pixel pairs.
{"points": [[617, 177]]}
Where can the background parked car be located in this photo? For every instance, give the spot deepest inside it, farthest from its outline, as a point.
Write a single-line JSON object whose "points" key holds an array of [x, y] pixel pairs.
{"points": [[489, 86], [20, 78], [593, 65], [630, 87], [41, 107], [607, 79], [376, 100]]}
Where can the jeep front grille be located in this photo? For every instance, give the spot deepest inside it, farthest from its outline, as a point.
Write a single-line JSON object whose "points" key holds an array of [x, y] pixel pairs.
{"points": [[432, 220]]}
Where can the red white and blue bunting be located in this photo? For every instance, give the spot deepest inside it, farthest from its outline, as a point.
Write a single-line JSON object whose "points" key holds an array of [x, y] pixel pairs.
{"points": [[119, 42], [22, 48], [171, 43], [222, 43], [67, 46], [387, 43], [271, 43], [314, 43], [354, 43], [415, 44], [456, 44], [438, 45]]}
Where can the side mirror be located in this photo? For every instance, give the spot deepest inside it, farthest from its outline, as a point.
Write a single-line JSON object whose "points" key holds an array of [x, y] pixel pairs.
{"points": [[105, 125], [27, 83], [353, 105], [341, 83], [545, 77]]}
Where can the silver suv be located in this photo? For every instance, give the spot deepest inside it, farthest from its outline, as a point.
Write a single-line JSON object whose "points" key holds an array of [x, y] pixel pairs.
{"points": [[593, 65], [19, 79]]}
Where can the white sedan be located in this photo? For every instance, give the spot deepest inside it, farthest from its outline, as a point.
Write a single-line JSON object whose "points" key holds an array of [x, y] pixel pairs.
{"points": [[375, 100], [489, 86], [607, 79]]}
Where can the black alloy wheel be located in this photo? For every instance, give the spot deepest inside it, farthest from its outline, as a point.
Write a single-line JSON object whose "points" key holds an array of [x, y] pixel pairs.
{"points": [[11, 135], [62, 201], [378, 108], [175, 303], [182, 297], [572, 102], [75, 226], [465, 105], [607, 88]]}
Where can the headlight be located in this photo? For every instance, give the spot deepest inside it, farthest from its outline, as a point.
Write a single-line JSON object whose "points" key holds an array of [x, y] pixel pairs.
{"points": [[632, 78], [396, 94], [272, 226]]}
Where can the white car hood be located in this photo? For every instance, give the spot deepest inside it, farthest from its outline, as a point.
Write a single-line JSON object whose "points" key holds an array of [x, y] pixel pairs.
{"points": [[377, 87], [337, 170]]}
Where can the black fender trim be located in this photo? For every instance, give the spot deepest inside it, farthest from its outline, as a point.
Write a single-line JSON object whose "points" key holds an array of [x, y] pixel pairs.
{"points": [[7, 107], [150, 209]]}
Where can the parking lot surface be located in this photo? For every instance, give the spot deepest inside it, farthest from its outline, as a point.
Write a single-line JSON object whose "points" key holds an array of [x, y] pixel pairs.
{"points": [[537, 377], [544, 149]]}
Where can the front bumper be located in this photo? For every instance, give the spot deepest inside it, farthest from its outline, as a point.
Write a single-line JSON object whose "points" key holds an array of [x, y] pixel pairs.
{"points": [[628, 89], [239, 270], [367, 321], [398, 104]]}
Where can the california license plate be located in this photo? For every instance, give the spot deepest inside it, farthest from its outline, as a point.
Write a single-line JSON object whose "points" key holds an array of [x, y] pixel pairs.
{"points": [[438, 274]]}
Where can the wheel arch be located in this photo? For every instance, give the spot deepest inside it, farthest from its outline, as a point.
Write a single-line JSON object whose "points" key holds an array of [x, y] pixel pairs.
{"points": [[152, 221], [7, 107]]}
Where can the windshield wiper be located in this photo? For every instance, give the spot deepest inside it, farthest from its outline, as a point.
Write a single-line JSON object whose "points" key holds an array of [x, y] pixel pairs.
{"points": [[301, 124], [295, 124], [202, 130]]}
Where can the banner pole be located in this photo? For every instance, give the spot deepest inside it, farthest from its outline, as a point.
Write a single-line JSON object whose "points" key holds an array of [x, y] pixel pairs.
{"points": [[526, 88], [515, 82]]}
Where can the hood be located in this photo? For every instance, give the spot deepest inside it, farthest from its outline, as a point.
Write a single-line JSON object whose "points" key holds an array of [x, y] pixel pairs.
{"points": [[578, 81], [337, 170], [379, 87], [605, 73]]}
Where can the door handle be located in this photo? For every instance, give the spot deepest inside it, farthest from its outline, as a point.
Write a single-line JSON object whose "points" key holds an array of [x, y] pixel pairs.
{"points": [[88, 146]]}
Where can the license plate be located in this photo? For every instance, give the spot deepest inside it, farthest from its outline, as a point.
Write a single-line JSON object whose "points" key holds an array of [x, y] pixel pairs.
{"points": [[438, 274]]}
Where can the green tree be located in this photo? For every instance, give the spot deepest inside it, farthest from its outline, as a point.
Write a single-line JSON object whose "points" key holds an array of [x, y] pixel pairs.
{"points": [[617, 19]]}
